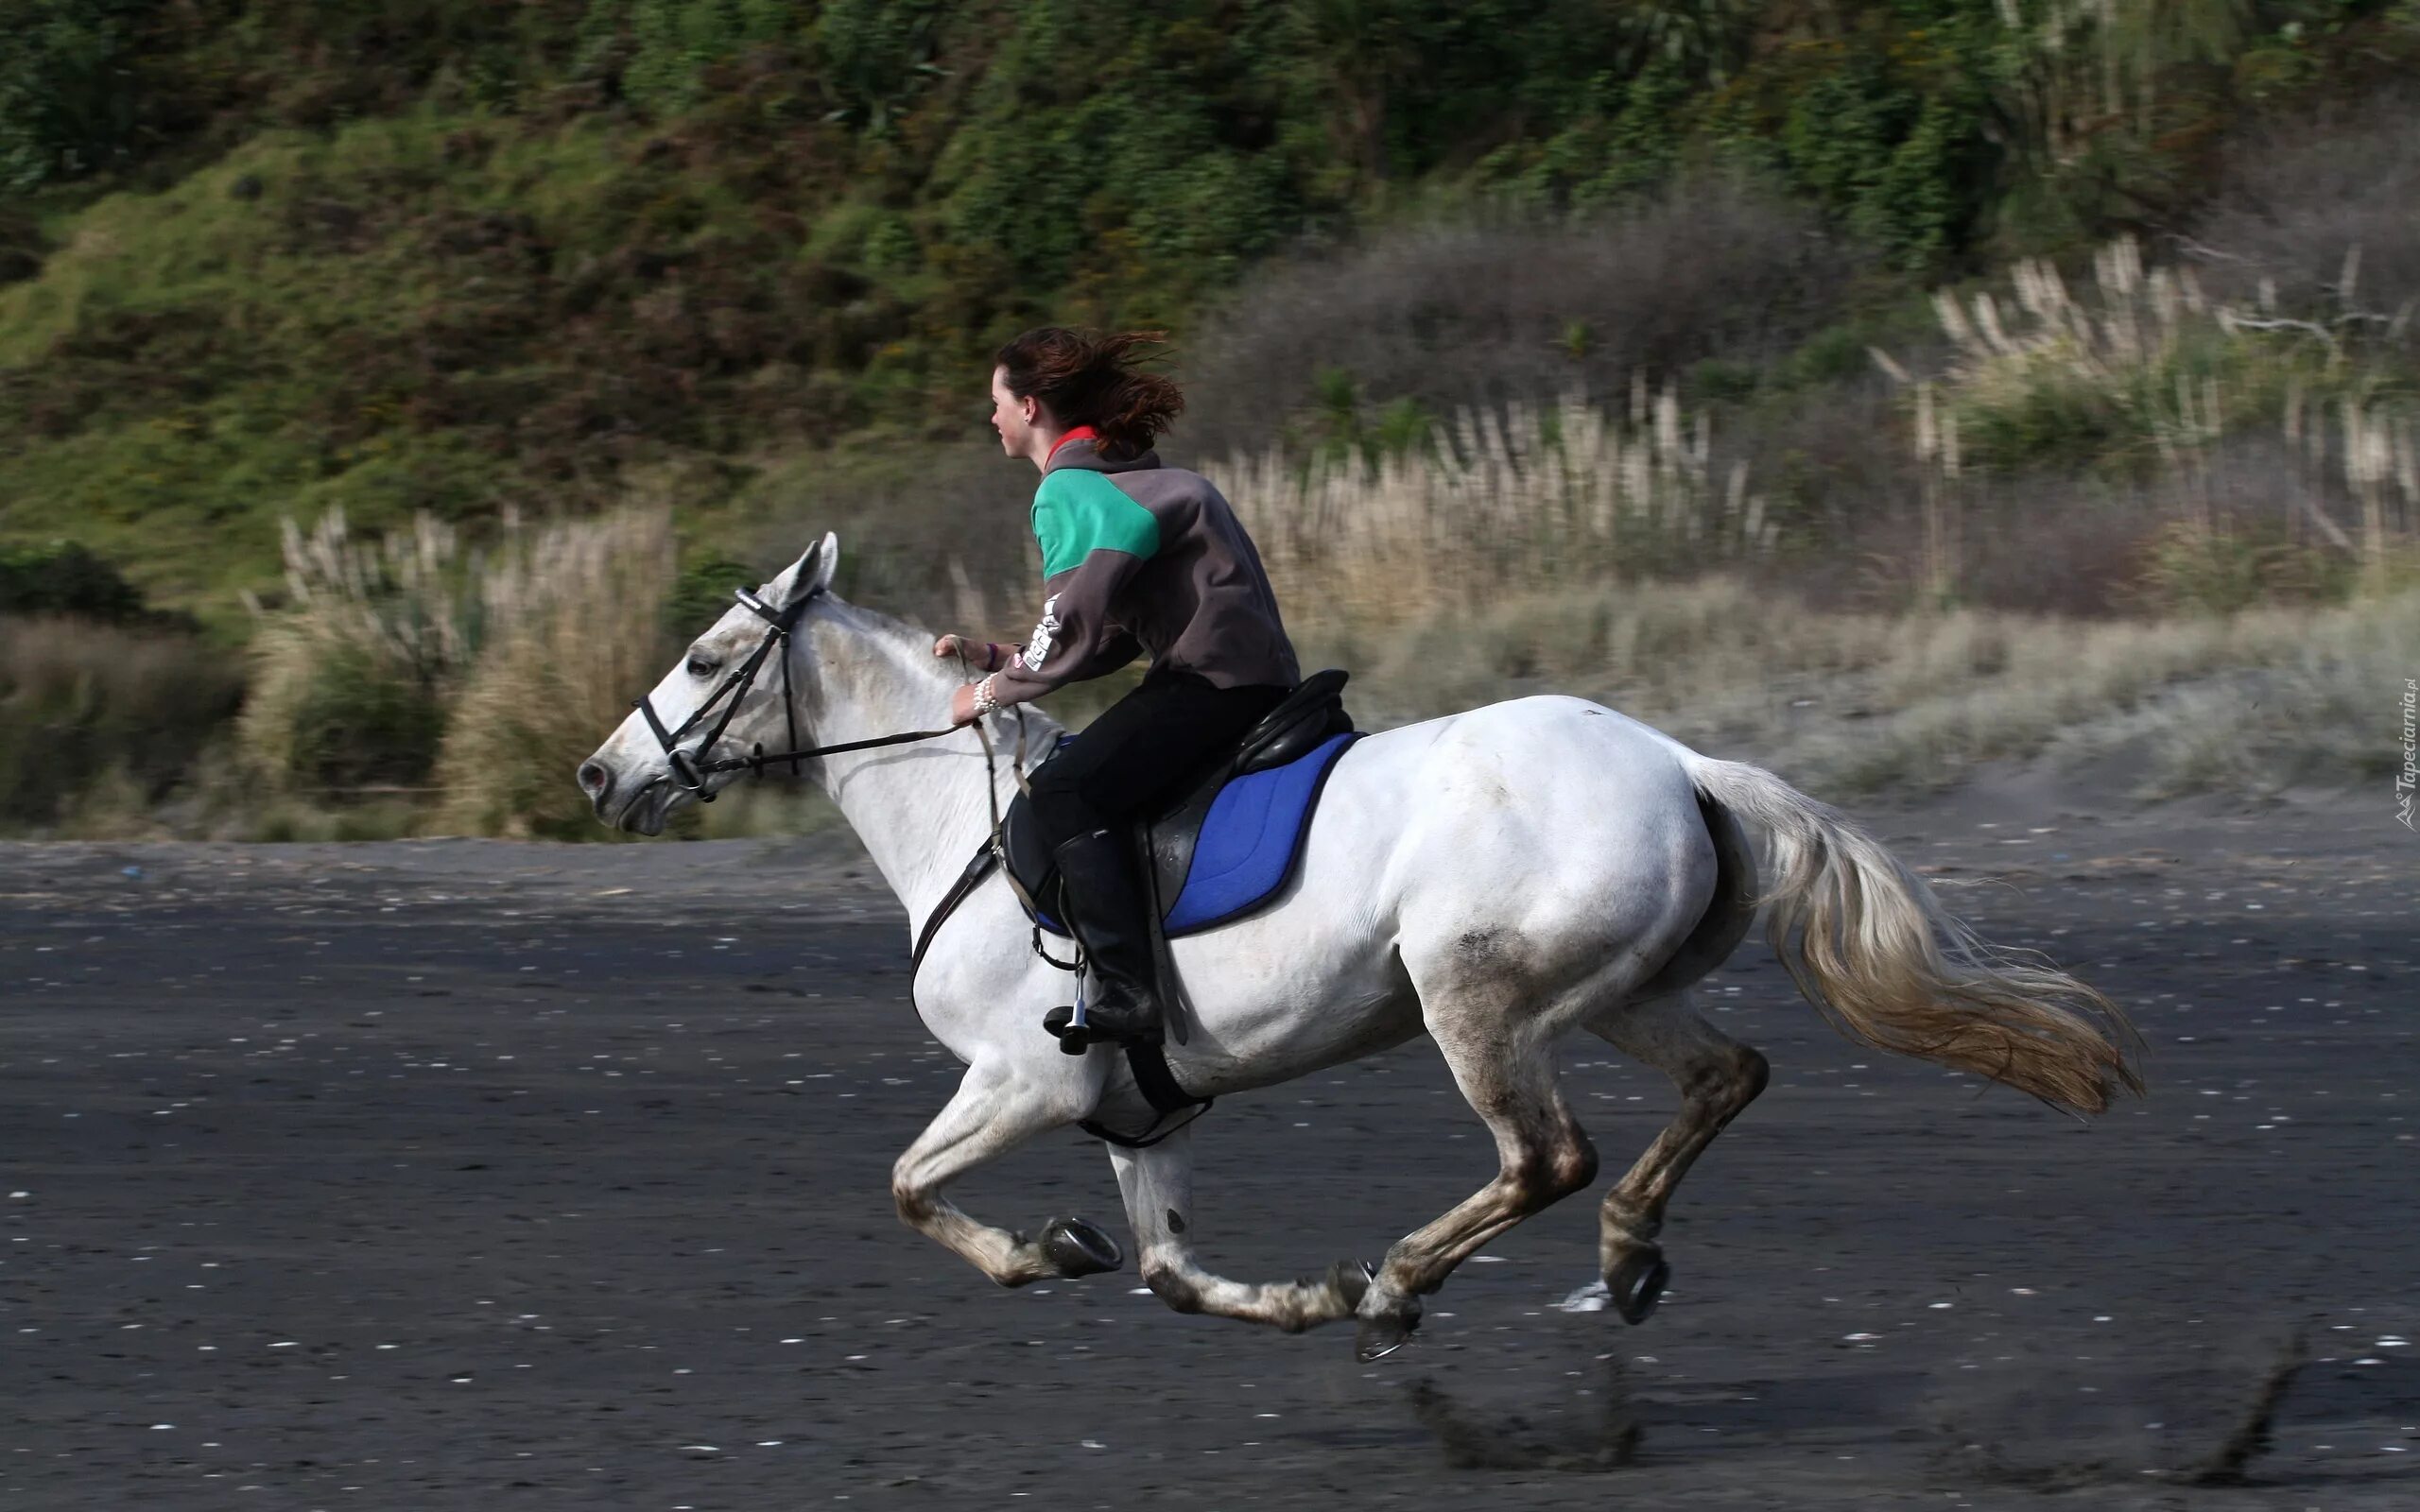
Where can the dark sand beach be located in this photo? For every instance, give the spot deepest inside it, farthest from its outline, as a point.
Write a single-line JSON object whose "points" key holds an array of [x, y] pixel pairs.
{"points": [[465, 1173]]}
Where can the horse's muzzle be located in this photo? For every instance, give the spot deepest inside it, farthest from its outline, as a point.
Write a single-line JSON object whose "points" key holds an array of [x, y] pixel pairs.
{"points": [[597, 781]]}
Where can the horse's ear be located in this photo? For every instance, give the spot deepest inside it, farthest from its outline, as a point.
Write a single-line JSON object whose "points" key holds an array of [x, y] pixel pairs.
{"points": [[810, 575]]}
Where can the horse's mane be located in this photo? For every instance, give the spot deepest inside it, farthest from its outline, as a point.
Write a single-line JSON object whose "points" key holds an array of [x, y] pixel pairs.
{"points": [[910, 645]]}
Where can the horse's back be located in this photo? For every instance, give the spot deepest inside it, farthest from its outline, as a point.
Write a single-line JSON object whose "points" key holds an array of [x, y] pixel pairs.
{"points": [[1544, 802], [1550, 829], [1544, 759]]}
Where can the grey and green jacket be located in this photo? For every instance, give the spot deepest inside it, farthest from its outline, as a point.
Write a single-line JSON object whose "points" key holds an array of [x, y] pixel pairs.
{"points": [[1137, 556]]}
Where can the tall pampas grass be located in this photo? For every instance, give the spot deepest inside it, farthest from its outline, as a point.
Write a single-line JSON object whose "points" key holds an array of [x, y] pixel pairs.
{"points": [[350, 677], [584, 633], [2143, 368], [1529, 499]]}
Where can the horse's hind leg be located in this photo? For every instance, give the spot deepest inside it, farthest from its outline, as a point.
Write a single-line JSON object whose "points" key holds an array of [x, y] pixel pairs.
{"points": [[1500, 1050], [1158, 1186], [1718, 1076]]}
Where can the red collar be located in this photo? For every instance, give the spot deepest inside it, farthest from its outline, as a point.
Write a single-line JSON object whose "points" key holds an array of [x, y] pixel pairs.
{"points": [[1082, 433]]}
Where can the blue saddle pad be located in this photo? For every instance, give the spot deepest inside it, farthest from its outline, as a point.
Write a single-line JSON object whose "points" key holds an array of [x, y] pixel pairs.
{"points": [[1250, 837], [1248, 841]]}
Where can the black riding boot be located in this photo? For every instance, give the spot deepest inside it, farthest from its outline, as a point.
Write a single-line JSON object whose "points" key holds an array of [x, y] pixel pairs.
{"points": [[1108, 914]]}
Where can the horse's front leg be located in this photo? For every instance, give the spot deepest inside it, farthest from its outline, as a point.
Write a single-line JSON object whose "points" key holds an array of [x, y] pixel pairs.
{"points": [[1158, 1186], [993, 1113]]}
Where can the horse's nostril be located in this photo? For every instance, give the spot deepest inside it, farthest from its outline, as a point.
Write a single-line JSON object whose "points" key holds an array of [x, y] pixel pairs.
{"points": [[592, 778]]}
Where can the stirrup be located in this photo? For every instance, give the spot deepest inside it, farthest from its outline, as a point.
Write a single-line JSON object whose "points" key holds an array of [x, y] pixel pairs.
{"points": [[1076, 1035], [1074, 1038]]}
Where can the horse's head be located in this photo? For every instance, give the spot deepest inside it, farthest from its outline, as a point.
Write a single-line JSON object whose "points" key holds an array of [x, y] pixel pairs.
{"points": [[632, 779]]}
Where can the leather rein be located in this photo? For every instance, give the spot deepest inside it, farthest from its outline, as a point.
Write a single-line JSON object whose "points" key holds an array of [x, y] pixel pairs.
{"points": [[691, 768]]}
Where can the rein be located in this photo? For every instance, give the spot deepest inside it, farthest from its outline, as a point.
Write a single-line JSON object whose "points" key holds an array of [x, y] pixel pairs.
{"points": [[691, 768]]}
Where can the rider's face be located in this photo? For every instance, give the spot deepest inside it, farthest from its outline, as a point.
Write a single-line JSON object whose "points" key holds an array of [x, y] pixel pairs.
{"points": [[1010, 416]]}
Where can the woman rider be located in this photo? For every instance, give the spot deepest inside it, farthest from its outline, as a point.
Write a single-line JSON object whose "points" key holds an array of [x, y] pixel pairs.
{"points": [[1136, 556]]}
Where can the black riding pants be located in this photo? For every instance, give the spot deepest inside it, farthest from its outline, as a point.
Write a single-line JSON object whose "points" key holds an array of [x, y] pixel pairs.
{"points": [[1145, 752]]}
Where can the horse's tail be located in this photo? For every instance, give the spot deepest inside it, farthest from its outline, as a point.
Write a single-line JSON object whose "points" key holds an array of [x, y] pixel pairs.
{"points": [[1867, 942]]}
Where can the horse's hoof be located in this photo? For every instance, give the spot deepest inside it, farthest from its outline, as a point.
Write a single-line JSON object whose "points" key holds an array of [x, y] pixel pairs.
{"points": [[1383, 1335], [1350, 1279], [1077, 1249], [1637, 1283]]}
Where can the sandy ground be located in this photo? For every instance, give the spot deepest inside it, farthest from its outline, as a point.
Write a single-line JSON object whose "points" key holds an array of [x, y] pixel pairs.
{"points": [[455, 1174]]}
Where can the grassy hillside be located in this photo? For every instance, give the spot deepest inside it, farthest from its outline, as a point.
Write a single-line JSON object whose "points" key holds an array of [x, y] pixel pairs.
{"points": [[1580, 328], [268, 258]]}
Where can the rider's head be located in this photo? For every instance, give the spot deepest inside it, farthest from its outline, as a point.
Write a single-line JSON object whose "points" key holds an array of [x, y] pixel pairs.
{"points": [[1048, 382]]}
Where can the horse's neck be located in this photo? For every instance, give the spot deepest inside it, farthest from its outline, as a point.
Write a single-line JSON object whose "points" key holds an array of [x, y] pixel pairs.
{"points": [[919, 809]]}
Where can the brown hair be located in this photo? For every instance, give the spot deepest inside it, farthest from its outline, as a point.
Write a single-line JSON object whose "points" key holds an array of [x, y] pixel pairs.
{"points": [[1094, 381]]}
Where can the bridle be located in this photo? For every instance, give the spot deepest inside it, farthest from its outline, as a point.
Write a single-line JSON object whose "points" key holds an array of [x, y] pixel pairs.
{"points": [[690, 768]]}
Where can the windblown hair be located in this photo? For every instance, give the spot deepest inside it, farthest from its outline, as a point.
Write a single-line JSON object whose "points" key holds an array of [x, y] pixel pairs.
{"points": [[1094, 381]]}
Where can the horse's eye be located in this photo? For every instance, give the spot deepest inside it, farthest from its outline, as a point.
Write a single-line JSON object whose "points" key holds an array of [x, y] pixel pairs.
{"points": [[701, 666]]}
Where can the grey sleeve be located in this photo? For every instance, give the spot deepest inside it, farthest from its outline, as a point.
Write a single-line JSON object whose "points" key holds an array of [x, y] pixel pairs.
{"points": [[1076, 639]]}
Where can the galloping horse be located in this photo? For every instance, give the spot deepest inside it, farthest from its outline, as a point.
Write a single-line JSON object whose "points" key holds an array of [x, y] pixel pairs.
{"points": [[1495, 879]]}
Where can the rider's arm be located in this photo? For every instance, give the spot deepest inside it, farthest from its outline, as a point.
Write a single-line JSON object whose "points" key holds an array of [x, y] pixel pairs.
{"points": [[1094, 539]]}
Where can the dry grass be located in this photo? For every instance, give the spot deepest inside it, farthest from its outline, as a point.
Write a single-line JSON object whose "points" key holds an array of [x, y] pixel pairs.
{"points": [[84, 705], [1844, 703], [584, 637], [2182, 393], [411, 666], [1530, 500], [349, 683], [2325, 711]]}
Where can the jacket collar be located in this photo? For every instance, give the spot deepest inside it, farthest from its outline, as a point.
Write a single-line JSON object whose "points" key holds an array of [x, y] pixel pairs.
{"points": [[1076, 450]]}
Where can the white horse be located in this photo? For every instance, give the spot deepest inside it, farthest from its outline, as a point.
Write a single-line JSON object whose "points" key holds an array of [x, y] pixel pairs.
{"points": [[1495, 879]]}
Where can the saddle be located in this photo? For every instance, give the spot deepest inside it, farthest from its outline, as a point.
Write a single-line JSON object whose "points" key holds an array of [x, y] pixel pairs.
{"points": [[1231, 843]]}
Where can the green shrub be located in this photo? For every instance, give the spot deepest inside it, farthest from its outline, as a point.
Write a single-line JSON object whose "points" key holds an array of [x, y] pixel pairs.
{"points": [[351, 717], [673, 44], [69, 101], [63, 577]]}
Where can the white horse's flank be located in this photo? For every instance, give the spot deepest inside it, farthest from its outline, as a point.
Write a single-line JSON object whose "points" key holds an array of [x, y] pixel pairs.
{"points": [[1495, 879]]}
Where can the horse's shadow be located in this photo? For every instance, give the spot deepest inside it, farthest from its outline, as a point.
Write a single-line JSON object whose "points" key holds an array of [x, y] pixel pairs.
{"points": [[1602, 1436]]}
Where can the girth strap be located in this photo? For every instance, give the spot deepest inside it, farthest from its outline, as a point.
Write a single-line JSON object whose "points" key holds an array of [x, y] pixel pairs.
{"points": [[1148, 1064]]}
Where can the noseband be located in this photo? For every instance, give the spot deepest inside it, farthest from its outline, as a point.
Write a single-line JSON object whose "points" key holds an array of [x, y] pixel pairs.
{"points": [[690, 768]]}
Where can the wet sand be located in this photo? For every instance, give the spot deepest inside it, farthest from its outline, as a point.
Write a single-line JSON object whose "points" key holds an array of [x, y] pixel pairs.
{"points": [[458, 1174]]}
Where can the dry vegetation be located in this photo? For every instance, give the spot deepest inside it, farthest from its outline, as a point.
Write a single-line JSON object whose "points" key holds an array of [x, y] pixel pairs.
{"points": [[1496, 507], [2255, 469], [471, 682], [2166, 502], [1478, 311], [100, 720], [1621, 553], [584, 637]]}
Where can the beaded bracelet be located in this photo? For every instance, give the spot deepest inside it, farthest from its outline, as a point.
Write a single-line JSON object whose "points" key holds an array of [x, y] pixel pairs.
{"points": [[984, 700]]}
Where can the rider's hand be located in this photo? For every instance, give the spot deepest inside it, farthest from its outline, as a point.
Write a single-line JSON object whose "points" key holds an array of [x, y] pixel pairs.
{"points": [[982, 655], [961, 704]]}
